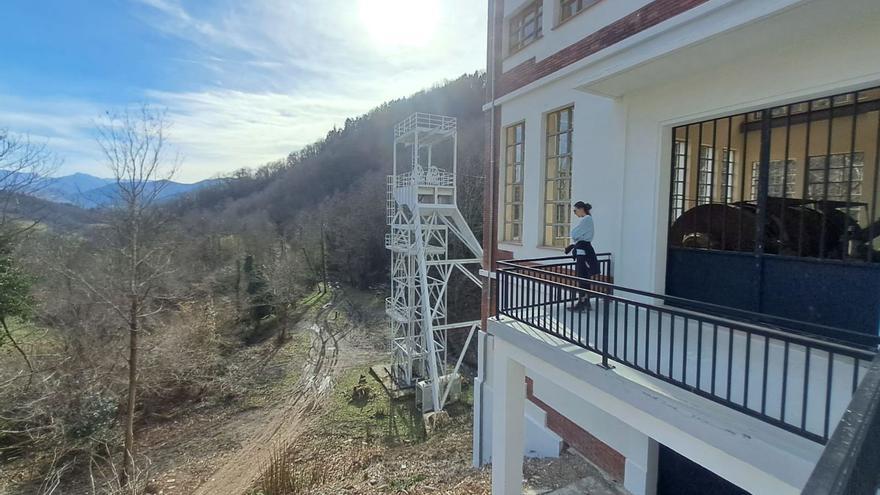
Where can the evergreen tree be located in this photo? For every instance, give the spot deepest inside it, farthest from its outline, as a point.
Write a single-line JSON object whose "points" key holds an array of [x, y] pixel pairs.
{"points": [[259, 297], [15, 297]]}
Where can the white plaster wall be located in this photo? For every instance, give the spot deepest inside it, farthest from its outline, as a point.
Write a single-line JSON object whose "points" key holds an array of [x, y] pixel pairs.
{"points": [[597, 178], [609, 430], [540, 442], [635, 446], [557, 36]]}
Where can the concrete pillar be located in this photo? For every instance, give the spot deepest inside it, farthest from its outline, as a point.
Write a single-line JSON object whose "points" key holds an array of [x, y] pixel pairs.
{"points": [[483, 401], [640, 475], [508, 424]]}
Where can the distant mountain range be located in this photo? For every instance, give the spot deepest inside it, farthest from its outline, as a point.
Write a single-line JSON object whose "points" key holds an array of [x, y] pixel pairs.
{"points": [[88, 191]]}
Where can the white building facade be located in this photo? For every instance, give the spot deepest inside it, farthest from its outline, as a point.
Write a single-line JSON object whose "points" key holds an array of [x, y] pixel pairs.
{"points": [[730, 151]]}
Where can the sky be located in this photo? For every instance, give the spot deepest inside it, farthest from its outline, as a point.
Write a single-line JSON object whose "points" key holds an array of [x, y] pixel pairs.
{"points": [[244, 82]]}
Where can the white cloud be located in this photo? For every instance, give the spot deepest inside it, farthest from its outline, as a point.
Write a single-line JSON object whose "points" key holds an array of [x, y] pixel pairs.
{"points": [[222, 130], [282, 73], [307, 65], [64, 124]]}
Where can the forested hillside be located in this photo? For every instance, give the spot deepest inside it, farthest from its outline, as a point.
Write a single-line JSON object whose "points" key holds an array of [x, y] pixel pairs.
{"points": [[340, 181], [129, 330]]}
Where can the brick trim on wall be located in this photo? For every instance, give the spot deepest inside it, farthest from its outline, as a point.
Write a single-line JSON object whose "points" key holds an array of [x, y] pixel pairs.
{"points": [[598, 452], [490, 218], [490, 162], [648, 16]]}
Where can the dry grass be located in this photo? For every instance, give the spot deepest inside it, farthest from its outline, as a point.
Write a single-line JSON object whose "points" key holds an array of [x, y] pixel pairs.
{"points": [[375, 446], [304, 467]]}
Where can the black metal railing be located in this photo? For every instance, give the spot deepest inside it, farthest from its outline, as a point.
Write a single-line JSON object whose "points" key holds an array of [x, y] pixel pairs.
{"points": [[756, 364], [849, 464]]}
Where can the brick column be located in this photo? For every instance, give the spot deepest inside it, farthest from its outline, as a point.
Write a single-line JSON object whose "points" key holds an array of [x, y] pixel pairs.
{"points": [[490, 156], [490, 212]]}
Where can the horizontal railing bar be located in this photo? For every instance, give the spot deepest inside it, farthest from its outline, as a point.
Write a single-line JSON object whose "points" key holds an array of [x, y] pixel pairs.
{"points": [[546, 258], [761, 318], [540, 305], [792, 336]]}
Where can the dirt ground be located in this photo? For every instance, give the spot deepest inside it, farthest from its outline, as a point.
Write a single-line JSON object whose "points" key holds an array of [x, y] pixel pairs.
{"points": [[224, 452], [304, 426]]}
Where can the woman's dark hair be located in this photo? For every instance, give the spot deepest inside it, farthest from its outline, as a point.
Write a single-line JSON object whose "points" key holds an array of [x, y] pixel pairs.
{"points": [[584, 206]]}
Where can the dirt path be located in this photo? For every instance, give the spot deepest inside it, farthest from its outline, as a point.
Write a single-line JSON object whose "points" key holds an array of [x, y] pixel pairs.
{"points": [[288, 419]]}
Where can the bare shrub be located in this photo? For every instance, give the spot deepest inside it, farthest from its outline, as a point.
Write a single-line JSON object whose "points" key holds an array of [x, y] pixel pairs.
{"points": [[181, 360], [295, 470]]}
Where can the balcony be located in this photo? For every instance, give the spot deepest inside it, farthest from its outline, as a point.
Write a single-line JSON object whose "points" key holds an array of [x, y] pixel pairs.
{"points": [[775, 370], [398, 311], [425, 122]]}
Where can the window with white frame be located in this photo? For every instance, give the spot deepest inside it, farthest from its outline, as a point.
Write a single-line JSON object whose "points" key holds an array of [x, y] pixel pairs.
{"points": [[780, 181], [571, 8], [525, 26], [837, 177], [513, 182], [727, 177], [679, 164], [705, 175], [557, 178]]}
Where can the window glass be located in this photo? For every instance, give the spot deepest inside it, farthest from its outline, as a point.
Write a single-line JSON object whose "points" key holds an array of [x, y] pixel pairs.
{"points": [[570, 8], [513, 180], [557, 176], [525, 27]]}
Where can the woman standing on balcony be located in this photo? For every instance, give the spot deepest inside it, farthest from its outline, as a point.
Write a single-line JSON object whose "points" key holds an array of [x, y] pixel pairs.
{"points": [[585, 261]]}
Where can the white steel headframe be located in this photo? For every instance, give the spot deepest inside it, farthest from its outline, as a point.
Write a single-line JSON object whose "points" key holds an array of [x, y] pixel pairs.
{"points": [[423, 215]]}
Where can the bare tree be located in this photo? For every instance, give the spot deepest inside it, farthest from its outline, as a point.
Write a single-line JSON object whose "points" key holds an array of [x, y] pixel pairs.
{"points": [[283, 280], [25, 167], [134, 145]]}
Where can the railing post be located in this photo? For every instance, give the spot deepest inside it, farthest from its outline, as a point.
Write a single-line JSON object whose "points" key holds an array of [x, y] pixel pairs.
{"points": [[498, 292], [605, 320]]}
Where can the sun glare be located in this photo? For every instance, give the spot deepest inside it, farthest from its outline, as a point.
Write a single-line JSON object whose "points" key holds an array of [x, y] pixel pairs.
{"points": [[399, 23]]}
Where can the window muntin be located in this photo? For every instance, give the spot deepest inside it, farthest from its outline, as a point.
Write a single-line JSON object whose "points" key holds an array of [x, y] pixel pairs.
{"points": [[514, 160], [728, 178], [706, 175], [836, 177], [679, 164], [557, 178], [780, 181], [525, 27], [571, 8]]}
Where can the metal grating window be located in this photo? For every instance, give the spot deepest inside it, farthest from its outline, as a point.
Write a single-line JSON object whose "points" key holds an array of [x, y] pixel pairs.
{"points": [[797, 180]]}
